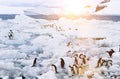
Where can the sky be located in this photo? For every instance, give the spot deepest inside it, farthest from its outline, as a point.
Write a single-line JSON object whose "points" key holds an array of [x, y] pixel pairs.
{"points": [[20, 3], [18, 6]]}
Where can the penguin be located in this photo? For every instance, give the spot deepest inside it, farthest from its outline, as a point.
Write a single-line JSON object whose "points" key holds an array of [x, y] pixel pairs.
{"points": [[75, 67], [76, 61], [109, 63], [62, 63], [23, 77], [81, 56], [71, 71], [110, 52], [90, 75], [34, 63], [104, 63], [99, 63], [69, 44], [68, 53], [83, 61], [55, 68], [75, 54], [10, 35], [81, 70]]}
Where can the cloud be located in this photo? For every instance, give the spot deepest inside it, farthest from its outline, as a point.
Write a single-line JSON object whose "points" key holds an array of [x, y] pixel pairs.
{"points": [[23, 3], [18, 6]]}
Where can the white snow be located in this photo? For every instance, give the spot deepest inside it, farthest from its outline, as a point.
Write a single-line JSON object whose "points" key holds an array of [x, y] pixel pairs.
{"points": [[48, 41]]}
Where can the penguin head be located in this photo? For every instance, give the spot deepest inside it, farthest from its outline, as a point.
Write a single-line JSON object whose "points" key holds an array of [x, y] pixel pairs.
{"points": [[61, 58], [81, 56]]}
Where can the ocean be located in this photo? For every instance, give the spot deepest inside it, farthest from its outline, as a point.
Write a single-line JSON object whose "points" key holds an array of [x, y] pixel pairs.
{"points": [[114, 18], [88, 17], [7, 16]]}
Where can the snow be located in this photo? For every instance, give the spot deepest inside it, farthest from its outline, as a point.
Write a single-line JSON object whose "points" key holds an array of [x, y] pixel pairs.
{"points": [[48, 41]]}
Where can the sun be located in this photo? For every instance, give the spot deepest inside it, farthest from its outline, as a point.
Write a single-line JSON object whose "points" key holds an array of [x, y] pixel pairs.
{"points": [[74, 7]]}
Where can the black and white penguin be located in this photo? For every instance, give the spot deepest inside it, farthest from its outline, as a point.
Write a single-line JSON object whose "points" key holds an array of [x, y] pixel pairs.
{"points": [[76, 61], [81, 56], [100, 62], [75, 67], [111, 52], [62, 62], [71, 71], [34, 63], [23, 77], [109, 63], [55, 68]]}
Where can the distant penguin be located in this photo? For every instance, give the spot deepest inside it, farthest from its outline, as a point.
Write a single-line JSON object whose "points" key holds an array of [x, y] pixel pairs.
{"points": [[75, 54], [90, 75], [34, 63], [55, 68], [76, 61], [68, 53], [10, 35], [23, 77], [62, 62], [109, 63], [71, 71], [69, 44], [75, 69], [83, 61], [99, 63], [104, 62], [110, 52], [81, 70], [81, 56]]}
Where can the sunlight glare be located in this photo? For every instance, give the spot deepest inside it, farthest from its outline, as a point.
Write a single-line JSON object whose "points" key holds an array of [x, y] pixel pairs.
{"points": [[74, 7]]}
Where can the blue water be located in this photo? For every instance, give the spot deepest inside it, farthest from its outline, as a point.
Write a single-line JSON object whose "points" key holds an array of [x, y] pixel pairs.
{"points": [[88, 17], [7, 16], [56, 17]]}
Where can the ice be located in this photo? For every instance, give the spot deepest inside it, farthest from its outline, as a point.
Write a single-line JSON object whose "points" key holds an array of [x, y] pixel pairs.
{"points": [[48, 41]]}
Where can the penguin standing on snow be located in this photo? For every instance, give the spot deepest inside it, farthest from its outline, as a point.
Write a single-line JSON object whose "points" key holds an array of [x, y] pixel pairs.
{"points": [[23, 77], [111, 52], [75, 67], [62, 63], [75, 61], [55, 68], [71, 71], [10, 35], [99, 62], [34, 63]]}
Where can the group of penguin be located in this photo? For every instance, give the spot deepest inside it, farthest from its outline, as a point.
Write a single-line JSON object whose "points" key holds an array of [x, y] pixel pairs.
{"points": [[77, 68], [80, 64]]}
